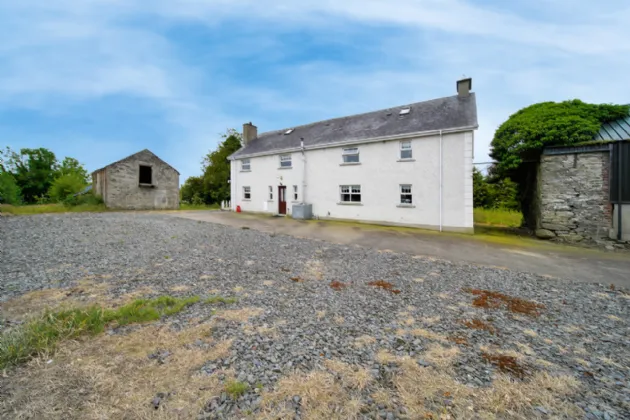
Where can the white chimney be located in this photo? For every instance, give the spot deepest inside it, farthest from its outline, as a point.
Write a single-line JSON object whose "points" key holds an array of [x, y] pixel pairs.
{"points": [[463, 87], [250, 132]]}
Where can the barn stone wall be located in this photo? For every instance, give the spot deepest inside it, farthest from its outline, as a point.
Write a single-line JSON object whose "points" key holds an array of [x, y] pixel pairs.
{"points": [[121, 188], [574, 196]]}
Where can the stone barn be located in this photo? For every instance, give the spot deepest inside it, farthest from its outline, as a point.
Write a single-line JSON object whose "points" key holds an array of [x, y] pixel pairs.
{"points": [[141, 181], [584, 190]]}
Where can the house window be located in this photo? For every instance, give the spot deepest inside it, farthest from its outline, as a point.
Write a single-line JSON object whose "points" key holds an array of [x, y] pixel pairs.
{"points": [[246, 165], [350, 193], [270, 192], [285, 161], [405, 150], [351, 155], [405, 194], [146, 175], [295, 193], [247, 193]]}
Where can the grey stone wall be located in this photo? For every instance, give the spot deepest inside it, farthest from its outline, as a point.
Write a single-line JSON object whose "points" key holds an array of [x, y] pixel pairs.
{"points": [[574, 197], [122, 189]]}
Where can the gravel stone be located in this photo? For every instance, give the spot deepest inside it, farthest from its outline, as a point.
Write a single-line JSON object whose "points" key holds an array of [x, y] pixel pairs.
{"points": [[308, 321]]}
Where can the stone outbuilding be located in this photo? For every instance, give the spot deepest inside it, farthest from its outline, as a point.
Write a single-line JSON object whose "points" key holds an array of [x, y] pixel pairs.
{"points": [[141, 181], [584, 190]]}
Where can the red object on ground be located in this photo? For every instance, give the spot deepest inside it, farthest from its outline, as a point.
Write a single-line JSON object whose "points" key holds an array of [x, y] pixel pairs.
{"points": [[238, 209]]}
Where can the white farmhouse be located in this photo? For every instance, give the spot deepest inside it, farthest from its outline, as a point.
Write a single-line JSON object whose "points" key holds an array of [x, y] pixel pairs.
{"points": [[408, 166]]}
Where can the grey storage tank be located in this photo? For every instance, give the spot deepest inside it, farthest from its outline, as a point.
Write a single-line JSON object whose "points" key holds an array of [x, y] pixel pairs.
{"points": [[302, 211]]}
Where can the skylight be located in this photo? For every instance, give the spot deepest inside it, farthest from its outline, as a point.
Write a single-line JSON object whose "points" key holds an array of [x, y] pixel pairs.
{"points": [[289, 131], [405, 111]]}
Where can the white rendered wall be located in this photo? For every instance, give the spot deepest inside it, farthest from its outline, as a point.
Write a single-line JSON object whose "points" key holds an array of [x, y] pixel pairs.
{"points": [[380, 175]]}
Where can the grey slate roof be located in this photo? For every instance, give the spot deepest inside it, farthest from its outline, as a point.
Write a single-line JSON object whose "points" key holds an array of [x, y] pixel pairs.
{"points": [[133, 156], [615, 130], [438, 114]]}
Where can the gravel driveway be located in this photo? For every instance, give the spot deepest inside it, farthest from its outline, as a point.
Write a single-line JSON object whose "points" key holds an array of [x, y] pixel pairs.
{"points": [[445, 340]]}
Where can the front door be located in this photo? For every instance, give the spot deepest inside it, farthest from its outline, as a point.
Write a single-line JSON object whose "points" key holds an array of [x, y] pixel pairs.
{"points": [[282, 200]]}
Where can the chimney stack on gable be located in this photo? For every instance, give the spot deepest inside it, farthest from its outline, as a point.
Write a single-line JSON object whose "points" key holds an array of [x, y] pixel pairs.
{"points": [[463, 87], [250, 132]]}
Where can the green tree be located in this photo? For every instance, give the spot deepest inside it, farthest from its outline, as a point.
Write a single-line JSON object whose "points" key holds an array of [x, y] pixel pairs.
{"points": [[518, 142], [216, 169], [72, 166], [66, 186], [34, 171], [192, 190], [480, 189], [9, 191]]}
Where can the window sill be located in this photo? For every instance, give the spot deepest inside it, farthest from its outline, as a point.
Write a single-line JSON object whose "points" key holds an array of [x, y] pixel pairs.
{"points": [[246, 170], [349, 204], [349, 163], [146, 185], [247, 199], [286, 167], [296, 202], [406, 160], [406, 206]]}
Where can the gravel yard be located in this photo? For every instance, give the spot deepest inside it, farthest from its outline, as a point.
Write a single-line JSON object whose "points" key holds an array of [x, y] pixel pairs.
{"points": [[435, 340]]}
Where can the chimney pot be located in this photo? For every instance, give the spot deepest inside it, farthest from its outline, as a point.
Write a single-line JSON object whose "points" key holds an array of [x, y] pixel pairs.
{"points": [[463, 87], [250, 132]]}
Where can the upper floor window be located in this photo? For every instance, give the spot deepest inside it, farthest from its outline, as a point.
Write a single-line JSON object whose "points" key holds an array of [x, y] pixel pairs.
{"points": [[351, 155], [350, 193], [246, 165], [405, 150], [247, 193], [146, 175], [405, 194], [285, 161]]}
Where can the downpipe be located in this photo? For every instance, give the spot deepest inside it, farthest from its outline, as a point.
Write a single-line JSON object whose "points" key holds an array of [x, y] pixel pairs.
{"points": [[441, 188]]}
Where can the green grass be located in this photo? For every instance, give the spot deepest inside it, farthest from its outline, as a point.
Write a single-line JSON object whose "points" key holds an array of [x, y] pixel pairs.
{"points": [[41, 335], [236, 388], [51, 208], [184, 206], [497, 217], [220, 299]]}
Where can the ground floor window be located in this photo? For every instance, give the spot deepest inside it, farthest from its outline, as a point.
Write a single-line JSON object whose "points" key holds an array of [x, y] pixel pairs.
{"points": [[295, 193], [247, 193], [350, 193], [405, 194], [270, 192]]}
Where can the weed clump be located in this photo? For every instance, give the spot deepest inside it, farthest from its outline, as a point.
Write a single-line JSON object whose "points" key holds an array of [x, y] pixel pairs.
{"points": [[381, 284], [477, 324], [494, 300], [41, 335], [337, 285], [506, 364], [236, 389]]}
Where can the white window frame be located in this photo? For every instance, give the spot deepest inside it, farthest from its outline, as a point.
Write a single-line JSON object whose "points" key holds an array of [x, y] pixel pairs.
{"points": [[405, 146], [406, 195], [270, 193], [348, 155], [351, 191], [247, 191], [295, 193], [284, 159], [246, 165]]}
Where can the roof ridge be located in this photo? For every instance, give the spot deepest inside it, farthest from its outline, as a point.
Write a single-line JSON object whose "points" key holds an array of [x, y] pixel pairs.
{"points": [[355, 115]]}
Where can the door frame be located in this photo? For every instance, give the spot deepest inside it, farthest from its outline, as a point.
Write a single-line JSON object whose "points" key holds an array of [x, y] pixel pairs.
{"points": [[282, 199]]}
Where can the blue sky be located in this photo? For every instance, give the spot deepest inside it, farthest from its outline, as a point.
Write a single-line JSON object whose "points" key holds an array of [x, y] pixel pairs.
{"points": [[101, 79]]}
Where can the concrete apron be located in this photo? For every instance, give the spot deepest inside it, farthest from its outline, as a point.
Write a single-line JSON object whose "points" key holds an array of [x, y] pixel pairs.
{"points": [[552, 261]]}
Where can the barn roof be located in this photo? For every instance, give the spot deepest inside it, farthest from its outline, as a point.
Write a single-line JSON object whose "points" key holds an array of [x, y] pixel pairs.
{"points": [[616, 130], [135, 155]]}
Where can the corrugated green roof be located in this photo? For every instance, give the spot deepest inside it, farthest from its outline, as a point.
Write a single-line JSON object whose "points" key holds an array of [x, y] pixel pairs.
{"points": [[616, 130]]}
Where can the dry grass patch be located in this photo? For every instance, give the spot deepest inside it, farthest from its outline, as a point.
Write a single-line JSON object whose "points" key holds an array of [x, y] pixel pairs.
{"points": [[240, 315], [180, 288], [363, 341], [477, 324], [322, 397], [384, 357], [440, 356], [313, 270], [430, 335], [351, 376], [431, 320], [268, 283], [530, 333], [614, 318], [112, 377], [321, 315]]}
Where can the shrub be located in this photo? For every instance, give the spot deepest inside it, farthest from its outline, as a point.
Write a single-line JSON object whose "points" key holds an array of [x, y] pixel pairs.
{"points": [[10, 192], [65, 186]]}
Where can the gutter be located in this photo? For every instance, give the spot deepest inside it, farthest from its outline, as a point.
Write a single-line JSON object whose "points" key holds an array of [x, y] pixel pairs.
{"points": [[354, 142]]}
